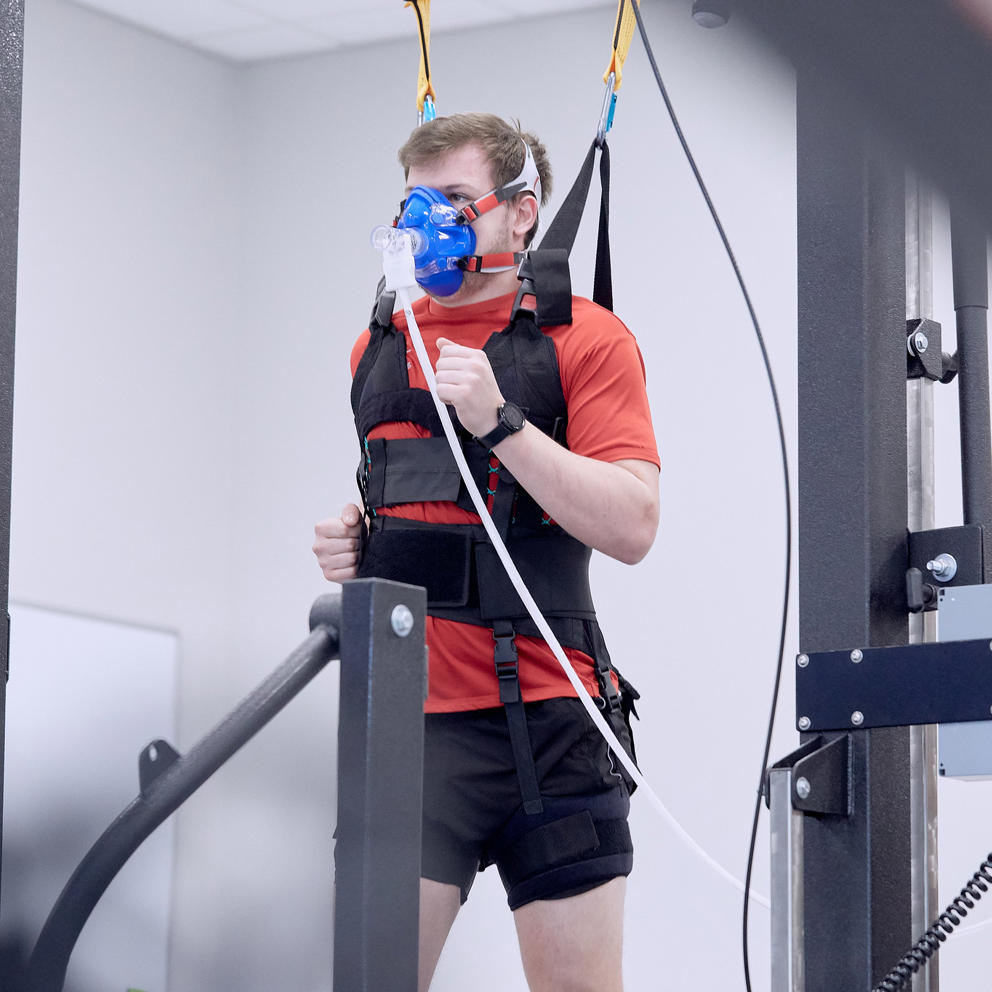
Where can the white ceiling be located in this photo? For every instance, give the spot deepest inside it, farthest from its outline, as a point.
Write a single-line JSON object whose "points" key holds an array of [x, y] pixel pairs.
{"points": [[250, 30]]}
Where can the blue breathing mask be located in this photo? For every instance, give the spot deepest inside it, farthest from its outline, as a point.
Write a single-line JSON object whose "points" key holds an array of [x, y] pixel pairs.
{"points": [[440, 240]]}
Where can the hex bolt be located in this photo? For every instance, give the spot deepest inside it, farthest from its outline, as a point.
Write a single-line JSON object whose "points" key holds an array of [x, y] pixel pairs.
{"points": [[803, 788], [401, 620], [804, 723], [803, 660], [944, 567], [920, 342], [857, 718], [857, 655]]}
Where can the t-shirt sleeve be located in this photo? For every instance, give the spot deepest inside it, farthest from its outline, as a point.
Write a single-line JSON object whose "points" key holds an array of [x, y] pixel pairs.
{"points": [[604, 383]]}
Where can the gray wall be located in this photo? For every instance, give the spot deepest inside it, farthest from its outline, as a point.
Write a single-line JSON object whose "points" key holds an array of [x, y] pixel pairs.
{"points": [[194, 269]]}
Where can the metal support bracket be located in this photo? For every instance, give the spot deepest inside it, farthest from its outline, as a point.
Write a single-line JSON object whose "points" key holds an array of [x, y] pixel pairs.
{"points": [[155, 759], [821, 781], [939, 559], [926, 360]]}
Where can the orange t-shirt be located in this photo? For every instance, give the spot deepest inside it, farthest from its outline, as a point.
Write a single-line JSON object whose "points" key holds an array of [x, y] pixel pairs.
{"points": [[602, 377]]}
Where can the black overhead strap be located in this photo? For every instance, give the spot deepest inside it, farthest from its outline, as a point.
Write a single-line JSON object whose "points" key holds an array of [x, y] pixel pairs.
{"points": [[561, 234], [516, 716], [602, 287]]}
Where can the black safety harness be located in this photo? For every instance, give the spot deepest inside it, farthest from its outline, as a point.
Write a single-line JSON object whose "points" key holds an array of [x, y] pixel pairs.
{"points": [[463, 576]]}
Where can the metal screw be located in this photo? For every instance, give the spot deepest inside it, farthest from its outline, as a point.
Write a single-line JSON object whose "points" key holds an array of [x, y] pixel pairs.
{"points": [[803, 660], [920, 342], [401, 620], [803, 788], [804, 723], [856, 655], [857, 718]]}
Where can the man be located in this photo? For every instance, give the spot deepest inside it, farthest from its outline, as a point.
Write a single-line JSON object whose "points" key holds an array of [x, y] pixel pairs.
{"points": [[575, 468]]}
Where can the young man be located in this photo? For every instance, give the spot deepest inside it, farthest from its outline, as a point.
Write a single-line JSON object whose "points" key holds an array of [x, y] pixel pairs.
{"points": [[569, 462]]}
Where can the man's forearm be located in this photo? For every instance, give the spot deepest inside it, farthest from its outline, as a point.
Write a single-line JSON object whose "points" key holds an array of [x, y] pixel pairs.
{"points": [[611, 506]]}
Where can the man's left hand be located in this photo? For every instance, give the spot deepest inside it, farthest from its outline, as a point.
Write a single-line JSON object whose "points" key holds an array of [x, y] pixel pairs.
{"points": [[465, 380]]}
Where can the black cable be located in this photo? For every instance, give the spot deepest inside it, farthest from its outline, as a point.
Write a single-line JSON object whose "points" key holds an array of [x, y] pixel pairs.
{"points": [[785, 477], [936, 934]]}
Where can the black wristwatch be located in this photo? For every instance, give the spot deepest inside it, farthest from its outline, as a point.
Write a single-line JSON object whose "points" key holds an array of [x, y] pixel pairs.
{"points": [[510, 420]]}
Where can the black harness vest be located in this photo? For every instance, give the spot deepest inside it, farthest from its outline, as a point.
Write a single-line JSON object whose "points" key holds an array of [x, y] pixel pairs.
{"points": [[457, 565]]}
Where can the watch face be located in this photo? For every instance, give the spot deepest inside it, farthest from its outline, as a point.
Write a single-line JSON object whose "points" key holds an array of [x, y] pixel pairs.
{"points": [[512, 416]]}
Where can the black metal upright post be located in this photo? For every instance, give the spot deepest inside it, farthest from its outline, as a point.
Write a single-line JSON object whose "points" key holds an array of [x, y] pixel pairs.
{"points": [[852, 517], [380, 782], [11, 75]]}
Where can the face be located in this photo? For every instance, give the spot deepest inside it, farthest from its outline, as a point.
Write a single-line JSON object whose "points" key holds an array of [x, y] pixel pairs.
{"points": [[463, 175]]}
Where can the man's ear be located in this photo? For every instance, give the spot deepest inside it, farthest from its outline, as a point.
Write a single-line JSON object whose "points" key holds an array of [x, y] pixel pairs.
{"points": [[524, 214]]}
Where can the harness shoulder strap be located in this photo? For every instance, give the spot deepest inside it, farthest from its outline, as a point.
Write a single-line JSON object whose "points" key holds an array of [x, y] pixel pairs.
{"points": [[561, 234]]}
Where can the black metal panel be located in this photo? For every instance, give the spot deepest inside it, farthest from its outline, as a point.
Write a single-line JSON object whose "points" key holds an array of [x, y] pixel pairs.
{"points": [[380, 790], [853, 517], [11, 60], [963, 543], [946, 682]]}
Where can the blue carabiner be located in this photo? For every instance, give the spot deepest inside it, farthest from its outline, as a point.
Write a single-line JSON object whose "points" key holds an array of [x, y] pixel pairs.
{"points": [[428, 113], [609, 108]]}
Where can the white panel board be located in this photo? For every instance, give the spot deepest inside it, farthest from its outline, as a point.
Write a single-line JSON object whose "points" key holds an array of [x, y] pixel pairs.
{"points": [[84, 697]]}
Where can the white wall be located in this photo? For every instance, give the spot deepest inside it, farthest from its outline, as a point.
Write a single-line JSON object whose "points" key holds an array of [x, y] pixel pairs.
{"points": [[194, 269]]}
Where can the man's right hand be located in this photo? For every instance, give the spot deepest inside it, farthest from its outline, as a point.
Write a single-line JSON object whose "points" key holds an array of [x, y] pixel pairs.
{"points": [[336, 544]]}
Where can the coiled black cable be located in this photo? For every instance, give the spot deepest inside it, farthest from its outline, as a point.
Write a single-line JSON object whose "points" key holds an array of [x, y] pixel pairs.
{"points": [[785, 478], [928, 945]]}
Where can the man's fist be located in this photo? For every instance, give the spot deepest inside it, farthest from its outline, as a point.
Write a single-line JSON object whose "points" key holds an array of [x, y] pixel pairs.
{"points": [[465, 380], [336, 544]]}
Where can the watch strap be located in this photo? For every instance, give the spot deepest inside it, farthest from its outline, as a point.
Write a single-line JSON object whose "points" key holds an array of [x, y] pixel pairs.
{"points": [[501, 431]]}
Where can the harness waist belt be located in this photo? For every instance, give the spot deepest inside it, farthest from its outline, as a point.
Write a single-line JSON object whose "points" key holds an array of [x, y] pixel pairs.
{"points": [[459, 568]]}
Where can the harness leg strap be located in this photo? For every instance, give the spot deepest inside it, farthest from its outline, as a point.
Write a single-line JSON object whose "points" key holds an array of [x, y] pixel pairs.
{"points": [[516, 717]]}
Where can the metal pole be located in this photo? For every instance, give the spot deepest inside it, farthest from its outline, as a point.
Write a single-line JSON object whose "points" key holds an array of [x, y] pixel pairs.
{"points": [[971, 305], [853, 518], [922, 626], [380, 787], [11, 75], [788, 972]]}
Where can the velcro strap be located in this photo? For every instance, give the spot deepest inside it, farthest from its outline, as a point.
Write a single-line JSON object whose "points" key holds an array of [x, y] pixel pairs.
{"points": [[553, 286], [555, 843], [411, 470], [438, 561], [554, 569]]}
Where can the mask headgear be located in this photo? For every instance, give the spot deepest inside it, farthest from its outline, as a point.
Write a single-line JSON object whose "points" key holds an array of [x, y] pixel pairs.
{"points": [[444, 247]]}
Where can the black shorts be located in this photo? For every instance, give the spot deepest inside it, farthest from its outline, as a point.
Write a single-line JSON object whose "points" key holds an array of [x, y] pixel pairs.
{"points": [[473, 815]]}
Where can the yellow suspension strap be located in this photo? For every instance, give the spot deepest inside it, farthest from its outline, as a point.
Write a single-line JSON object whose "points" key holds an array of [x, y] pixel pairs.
{"points": [[426, 96], [623, 33]]}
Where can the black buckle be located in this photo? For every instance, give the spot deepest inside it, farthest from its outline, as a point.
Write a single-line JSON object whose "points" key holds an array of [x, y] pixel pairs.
{"points": [[505, 658], [609, 698]]}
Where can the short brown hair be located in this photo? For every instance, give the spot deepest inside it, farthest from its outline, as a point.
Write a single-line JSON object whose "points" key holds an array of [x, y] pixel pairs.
{"points": [[498, 139]]}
